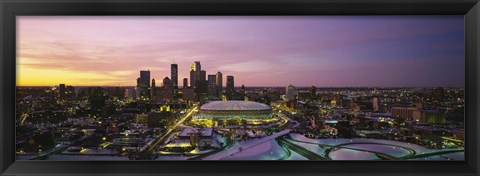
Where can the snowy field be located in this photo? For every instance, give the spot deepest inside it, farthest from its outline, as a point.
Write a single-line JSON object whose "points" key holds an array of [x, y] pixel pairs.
{"points": [[266, 151], [391, 150], [245, 145], [295, 156], [348, 154]]}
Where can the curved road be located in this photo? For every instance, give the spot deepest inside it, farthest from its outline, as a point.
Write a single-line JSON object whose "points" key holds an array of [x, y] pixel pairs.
{"points": [[383, 156], [300, 150], [336, 147]]}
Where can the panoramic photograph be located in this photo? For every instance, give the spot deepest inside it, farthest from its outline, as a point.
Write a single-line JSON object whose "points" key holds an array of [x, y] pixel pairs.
{"points": [[165, 88]]}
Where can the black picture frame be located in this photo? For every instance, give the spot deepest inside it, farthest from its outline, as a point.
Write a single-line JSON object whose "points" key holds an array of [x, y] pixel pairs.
{"points": [[11, 8]]}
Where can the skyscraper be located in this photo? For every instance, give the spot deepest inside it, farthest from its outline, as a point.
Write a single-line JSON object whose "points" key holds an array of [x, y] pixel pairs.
{"points": [[212, 88], [192, 75], [152, 89], [202, 84], [198, 69], [144, 78], [143, 84], [185, 82], [203, 75], [198, 66], [219, 83], [174, 76], [230, 85], [167, 83]]}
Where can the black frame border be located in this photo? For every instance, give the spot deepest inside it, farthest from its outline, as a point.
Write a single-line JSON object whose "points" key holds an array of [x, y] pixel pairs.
{"points": [[11, 8]]}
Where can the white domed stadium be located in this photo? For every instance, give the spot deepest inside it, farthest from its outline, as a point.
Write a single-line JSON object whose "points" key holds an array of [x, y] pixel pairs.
{"points": [[232, 113], [235, 106]]}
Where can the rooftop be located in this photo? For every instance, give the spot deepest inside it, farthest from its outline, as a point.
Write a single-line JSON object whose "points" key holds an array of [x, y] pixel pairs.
{"points": [[188, 131], [234, 105]]}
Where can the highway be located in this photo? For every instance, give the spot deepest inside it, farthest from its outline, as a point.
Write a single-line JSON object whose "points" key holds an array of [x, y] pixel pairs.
{"points": [[381, 155], [432, 154], [300, 150], [181, 121], [288, 123]]}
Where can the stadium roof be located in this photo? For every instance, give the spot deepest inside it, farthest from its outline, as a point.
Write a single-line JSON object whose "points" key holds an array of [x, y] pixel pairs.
{"points": [[235, 106]]}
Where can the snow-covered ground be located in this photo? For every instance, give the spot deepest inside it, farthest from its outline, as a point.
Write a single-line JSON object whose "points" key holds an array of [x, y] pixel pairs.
{"points": [[266, 151], [244, 145], [391, 150], [348, 154], [295, 156]]}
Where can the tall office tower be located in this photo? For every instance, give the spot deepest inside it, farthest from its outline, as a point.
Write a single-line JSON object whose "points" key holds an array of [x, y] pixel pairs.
{"points": [[145, 78], [174, 76], [212, 87], [143, 84], [167, 83], [198, 69], [185, 82], [198, 66], [61, 91], [202, 84], [152, 89], [192, 75], [230, 85], [375, 104], [203, 75], [202, 88], [219, 83], [290, 92]]}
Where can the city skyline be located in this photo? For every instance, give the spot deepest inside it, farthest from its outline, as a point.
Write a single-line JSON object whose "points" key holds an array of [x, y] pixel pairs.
{"points": [[365, 51]]}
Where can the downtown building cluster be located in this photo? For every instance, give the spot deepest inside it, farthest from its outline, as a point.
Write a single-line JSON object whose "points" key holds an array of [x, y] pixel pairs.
{"points": [[199, 87]]}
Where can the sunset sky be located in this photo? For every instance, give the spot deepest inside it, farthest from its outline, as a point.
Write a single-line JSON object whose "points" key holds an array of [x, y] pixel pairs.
{"points": [[325, 51]]}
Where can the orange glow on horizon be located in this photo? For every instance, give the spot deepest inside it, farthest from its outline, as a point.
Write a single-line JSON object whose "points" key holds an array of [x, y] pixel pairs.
{"points": [[47, 77]]}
